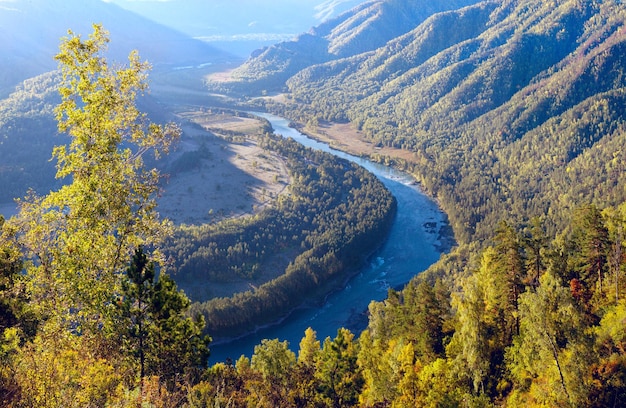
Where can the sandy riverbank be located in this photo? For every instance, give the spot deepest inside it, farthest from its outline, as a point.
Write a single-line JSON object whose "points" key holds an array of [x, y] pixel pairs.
{"points": [[231, 179]]}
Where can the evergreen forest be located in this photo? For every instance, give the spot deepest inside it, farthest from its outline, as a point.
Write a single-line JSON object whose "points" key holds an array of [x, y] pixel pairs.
{"points": [[510, 113], [329, 223]]}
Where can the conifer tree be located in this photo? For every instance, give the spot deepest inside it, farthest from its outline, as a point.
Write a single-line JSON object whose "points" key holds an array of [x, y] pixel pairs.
{"points": [[591, 239], [340, 378], [535, 244], [176, 344]]}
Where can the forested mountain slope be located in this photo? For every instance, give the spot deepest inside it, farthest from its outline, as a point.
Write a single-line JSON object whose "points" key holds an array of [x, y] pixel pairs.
{"points": [[511, 108], [514, 113], [27, 130], [28, 133], [362, 29]]}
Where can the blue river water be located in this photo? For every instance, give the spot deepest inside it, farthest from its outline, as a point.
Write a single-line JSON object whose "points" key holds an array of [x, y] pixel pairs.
{"points": [[413, 244]]}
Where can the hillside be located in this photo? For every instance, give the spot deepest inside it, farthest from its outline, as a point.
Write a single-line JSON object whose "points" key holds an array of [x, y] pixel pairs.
{"points": [[27, 135], [361, 29], [510, 109], [30, 32], [241, 26], [509, 112]]}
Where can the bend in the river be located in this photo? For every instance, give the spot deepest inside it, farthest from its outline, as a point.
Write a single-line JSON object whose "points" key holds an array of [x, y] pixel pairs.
{"points": [[414, 243]]}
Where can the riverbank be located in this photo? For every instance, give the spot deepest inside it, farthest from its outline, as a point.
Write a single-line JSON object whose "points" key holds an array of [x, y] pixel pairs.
{"points": [[211, 178], [344, 137], [317, 298], [414, 243]]}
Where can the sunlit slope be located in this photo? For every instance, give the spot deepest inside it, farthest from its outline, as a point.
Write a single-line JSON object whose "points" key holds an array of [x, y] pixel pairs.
{"points": [[512, 108], [361, 29]]}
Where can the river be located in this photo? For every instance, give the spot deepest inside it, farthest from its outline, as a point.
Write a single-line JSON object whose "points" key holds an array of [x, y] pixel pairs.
{"points": [[413, 244]]}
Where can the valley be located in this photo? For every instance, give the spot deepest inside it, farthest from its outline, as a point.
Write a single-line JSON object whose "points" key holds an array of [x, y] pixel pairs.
{"points": [[443, 223], [419, 235]]}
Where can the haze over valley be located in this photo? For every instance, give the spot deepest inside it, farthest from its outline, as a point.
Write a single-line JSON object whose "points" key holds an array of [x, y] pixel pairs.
{"points": [[504, 119], [240, 26]]}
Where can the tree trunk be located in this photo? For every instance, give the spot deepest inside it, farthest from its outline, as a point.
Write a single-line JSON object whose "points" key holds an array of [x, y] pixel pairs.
{"points": [[558, 366]]}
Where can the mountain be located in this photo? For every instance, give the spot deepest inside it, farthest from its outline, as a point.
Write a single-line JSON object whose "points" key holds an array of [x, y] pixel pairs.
{"points": [[510, 112], [30, 33], [510, 109], [27, 135], [361, 29], [240, 26]]}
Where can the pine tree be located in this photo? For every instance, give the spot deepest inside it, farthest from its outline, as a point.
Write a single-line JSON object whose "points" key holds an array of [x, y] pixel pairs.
{"points": [[591, 240], [137, 291], [153, 325], [536, 244], [340, 378], [510, 264]]}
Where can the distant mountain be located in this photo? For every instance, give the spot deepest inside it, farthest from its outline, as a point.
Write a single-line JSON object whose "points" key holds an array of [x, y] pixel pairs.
{"points": [[510, 108], [240, 26], [30, 33], [361, 29]]}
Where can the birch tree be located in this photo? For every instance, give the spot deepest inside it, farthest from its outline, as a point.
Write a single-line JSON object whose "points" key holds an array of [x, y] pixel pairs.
{"points": [[79, 239]]}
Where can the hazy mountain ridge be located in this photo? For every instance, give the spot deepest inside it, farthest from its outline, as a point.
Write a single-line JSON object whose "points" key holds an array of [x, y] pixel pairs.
{"points": [[362, 29], [30, 34], [228, 18], [240, 26], [31, 31]]}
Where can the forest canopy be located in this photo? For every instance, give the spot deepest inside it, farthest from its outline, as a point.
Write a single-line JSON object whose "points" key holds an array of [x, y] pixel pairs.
{"points": [[327, 224], [511, 112]]}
